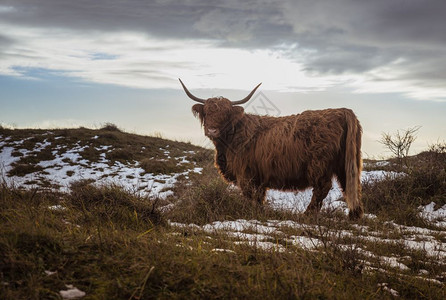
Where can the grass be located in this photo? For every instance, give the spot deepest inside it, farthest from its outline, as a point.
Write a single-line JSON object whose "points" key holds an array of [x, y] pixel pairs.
{"points": [[115, 244], [21, 169], [165, 166]]}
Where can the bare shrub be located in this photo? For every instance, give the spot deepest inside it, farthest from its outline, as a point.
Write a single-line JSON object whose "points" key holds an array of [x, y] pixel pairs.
{"points": [[400, 142], [438, 147], [435, 156]]}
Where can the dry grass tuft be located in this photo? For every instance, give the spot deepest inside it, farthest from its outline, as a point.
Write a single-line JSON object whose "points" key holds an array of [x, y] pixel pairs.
{"points": [[111, 203]]}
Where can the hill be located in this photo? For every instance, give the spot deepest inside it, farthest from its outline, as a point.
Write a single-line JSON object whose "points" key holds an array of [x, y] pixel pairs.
{"points": [[43, 158], [107, 214]]}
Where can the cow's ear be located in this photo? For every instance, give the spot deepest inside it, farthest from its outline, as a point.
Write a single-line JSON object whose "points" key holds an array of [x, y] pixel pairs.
{"points": [[238, 111], [197, 110]]}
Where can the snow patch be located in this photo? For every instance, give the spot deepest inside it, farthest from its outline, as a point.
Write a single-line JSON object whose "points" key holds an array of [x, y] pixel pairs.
{"points": [[69, 166], [298, 201], [435, 216], [57, 207], [385, 287], [222, 250], [72, 292]]}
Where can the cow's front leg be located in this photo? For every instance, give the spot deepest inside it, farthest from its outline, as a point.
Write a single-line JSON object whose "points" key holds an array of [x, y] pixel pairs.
{"points": [[253, 193]]}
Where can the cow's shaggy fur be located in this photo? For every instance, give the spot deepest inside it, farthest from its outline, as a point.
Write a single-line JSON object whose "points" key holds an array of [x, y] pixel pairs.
{"points": [[286, 153]]}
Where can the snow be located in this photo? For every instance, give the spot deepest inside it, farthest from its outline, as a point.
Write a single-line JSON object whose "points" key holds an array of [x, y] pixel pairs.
{"points": [[385, 287], [72, 292], [57, 207], [69, 166], [7, 160], [197, 170], [267, 246], [261, 234], [298, 201], [373, 176], [222, 250], [382, 163], [389, 261], [182, 160], [435, 216], [305, 242], [49, 273], [166, 152], [409, 237], [239, 225], [40, 146]]}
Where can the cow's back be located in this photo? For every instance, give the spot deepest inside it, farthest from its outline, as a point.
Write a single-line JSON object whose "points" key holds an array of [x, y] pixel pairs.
{"points": [[294, 151]]}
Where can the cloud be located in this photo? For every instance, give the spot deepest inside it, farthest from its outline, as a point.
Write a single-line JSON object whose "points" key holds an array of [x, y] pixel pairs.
{"points": [[5, 41], [368, 46], [375, 39], [136, 60]]}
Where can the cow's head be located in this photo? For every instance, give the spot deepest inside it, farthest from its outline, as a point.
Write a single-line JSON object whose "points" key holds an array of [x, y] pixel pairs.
{"points": [[217, 114]]}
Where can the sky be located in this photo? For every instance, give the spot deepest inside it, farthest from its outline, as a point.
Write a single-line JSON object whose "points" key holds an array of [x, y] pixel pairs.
{"points": [[86, 63]]}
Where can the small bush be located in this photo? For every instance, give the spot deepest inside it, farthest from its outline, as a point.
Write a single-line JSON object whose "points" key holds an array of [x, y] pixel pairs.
{"points": [[110, 127]]}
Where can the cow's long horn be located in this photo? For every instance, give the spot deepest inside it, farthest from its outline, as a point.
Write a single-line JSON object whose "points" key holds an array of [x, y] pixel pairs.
{"points": [[190, 94], [246, 99]]}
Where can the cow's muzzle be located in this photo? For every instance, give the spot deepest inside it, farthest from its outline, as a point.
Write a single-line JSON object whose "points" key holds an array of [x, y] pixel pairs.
{"points": [[212, 132]]}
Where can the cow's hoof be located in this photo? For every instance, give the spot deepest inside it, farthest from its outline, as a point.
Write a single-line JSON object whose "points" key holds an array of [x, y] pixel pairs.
{"points": [[311, 214], [356, 214]]}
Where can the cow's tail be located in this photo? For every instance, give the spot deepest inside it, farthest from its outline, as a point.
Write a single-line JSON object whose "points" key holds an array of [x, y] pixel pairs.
{"points": [[353, 166]]}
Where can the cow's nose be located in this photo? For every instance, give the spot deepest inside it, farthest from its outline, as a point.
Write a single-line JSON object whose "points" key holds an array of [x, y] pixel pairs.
{"points": [[212, 132]]}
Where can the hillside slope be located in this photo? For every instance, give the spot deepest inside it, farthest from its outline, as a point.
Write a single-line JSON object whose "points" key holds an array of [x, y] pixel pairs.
{"points": [[111, 215], [56, 158]]}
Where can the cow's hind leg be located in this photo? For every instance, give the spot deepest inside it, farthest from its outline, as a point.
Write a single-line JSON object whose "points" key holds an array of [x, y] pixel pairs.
{"points": [[254, 193], [320, 191]]}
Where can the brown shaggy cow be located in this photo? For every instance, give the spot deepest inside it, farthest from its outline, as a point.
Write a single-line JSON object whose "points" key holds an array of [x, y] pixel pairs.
{"points": [[285, 153]]}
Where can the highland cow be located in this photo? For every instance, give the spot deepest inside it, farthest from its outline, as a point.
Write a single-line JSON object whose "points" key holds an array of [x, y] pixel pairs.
{"points": [[285, 153]]}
